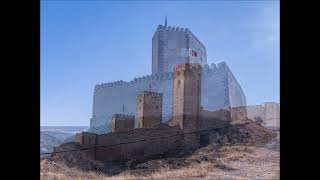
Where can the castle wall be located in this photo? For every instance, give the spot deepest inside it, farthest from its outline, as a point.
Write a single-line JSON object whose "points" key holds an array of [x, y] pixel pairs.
{"points": [[146, 143], [236, 95], [87, 140], [149, 109], [214, 119], [110, 97], [122, 123], [214, 94], [195, 44], [186, 101], [269, 113], [238, 113]]}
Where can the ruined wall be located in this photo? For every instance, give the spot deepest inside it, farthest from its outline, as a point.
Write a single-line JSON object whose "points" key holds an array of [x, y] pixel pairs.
{"points": [[238, 113], [268, 112], [149, 109], [87, 140], [214, 119], [147, 143], [122, 123]]}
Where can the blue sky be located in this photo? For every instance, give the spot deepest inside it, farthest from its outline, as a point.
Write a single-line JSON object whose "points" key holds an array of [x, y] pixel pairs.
{"points": [[85, 43]]}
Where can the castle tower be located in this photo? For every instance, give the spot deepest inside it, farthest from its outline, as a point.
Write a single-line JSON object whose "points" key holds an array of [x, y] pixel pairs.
{"points": [[186, 101], [122, 123], [172, 46], [149, 109]]}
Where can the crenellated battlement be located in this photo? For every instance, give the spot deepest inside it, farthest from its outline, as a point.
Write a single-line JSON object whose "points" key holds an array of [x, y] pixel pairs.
{"points": [[155, 78], [193, 66], [112, 84], [151, 78], [151, 93], [122, 116], [172, 28], [171, 46]]}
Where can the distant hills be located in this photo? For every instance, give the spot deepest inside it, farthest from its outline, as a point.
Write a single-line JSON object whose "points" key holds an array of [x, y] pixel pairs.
{"points": [[51, 136]]}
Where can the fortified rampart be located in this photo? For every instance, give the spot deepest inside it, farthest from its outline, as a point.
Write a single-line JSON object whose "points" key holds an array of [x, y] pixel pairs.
{"points": [[122, 123], [149, 109], [268, 113], [186, 101], [216, 93], [171, 46], [147, 143], [188, 128], [144, 143]]}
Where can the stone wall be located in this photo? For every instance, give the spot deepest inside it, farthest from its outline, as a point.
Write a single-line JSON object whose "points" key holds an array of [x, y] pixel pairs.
{"points": [[149, 109], [172, 46], [109, 98], [122, 123], [87, 140], [147, 143], [238, 113], [237, 97], [214, 119], [268, 113], [186, 100]]}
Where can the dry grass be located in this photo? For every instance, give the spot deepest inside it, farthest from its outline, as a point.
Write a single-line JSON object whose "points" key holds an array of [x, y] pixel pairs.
{"points": [[228, 162]]}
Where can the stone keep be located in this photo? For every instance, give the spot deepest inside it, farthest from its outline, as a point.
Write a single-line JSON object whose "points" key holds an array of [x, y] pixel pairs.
{"points": [[174, 45], [186, 101], [122, 123], [219, 88], [149, 109]]}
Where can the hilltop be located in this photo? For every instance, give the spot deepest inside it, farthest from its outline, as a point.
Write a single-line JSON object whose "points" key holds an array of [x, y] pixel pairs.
{"points": [[251, 146]]}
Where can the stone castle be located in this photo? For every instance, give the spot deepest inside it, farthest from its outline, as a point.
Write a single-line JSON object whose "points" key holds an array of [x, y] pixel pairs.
{"points": [[171, 46], [188, 128]]}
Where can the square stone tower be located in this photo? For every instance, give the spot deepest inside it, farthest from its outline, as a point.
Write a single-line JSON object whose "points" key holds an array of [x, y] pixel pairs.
{"points": [[175, 45], [122, 123], [149, 109], [186, 101]]}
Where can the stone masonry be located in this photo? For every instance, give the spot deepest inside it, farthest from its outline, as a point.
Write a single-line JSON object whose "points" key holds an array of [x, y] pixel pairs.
{"points": [[268, 113], [122, 123], [186, 101], [149, 109], [151, 138], [170, 46], [174, 45]]}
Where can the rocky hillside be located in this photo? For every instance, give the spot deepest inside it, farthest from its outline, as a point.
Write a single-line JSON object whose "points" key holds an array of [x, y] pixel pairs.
{"points": [[232, 161], [247, 133]]}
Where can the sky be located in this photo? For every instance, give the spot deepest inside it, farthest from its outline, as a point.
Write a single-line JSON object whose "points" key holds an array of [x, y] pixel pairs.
{"points": [[87, 43]]}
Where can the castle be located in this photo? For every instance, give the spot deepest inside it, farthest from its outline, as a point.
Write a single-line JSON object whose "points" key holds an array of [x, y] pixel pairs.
{"points": [[171, 46], [189, 127]]}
